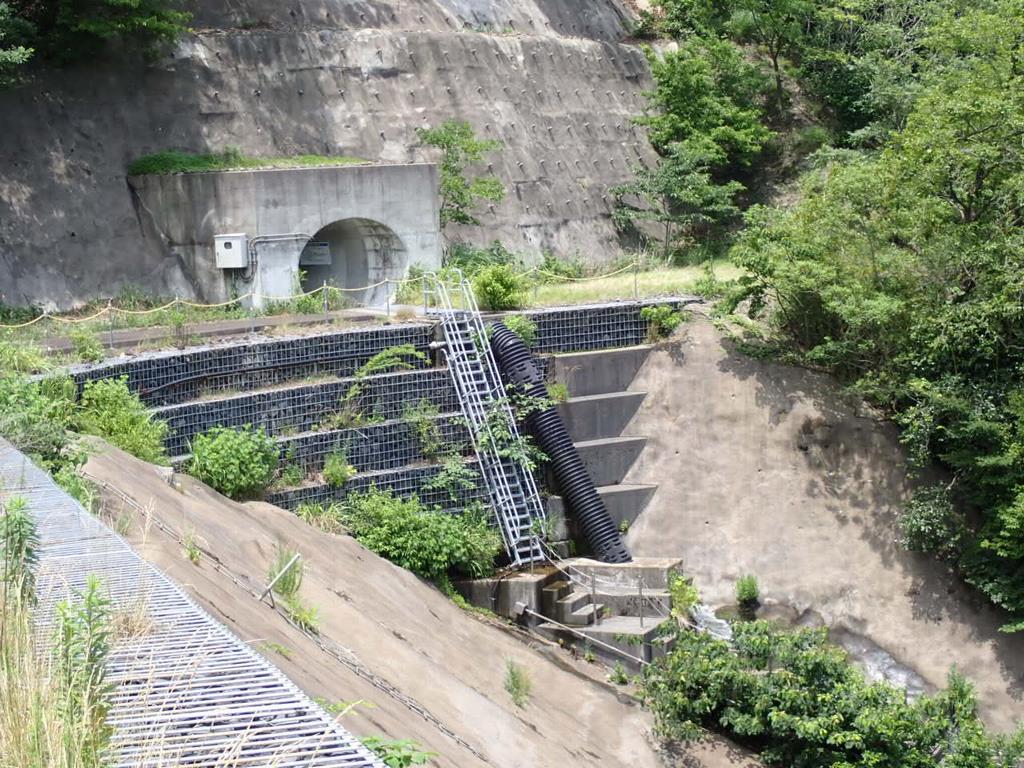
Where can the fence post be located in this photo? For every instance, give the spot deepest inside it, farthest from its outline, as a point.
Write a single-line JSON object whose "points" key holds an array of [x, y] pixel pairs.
{"points": [[640, 585], [636, 271], [593, 598], [110, 312], [387, 296], [327, 303]]}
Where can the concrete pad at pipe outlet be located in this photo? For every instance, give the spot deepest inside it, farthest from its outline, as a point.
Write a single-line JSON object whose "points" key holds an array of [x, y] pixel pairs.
{"points": [[599, 372], [654, 572]]}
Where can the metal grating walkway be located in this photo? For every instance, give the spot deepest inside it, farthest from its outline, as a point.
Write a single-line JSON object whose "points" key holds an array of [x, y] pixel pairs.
{"points": [[188, 692]]}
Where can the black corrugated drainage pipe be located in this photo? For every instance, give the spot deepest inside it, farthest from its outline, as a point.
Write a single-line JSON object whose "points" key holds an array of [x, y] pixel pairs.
{"points": [[520, 370]]}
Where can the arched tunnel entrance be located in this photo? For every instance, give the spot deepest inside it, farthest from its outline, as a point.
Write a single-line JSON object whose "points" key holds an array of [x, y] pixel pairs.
{"points": [[354, 253]]}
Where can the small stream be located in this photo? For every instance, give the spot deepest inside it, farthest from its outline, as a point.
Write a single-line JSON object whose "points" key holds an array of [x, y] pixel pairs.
{"points": [[877, 663]]}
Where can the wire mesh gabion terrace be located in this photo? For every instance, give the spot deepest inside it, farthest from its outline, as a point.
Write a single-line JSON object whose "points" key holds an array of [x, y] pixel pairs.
{"points": [[188, 692]]}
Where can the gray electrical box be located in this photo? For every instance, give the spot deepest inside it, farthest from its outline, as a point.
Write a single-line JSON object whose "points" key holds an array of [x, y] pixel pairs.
{"points": [[232, 251]]}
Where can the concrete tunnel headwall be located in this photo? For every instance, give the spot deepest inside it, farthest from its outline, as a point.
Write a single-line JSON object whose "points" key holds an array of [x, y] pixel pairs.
{"points": [[348, 226]]}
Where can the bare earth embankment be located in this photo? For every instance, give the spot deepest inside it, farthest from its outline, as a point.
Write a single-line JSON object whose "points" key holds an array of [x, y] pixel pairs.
{"points": [[768, 469]]}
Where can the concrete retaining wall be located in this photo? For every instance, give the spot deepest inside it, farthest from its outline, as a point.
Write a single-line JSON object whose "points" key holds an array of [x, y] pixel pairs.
{"points": [[295, 205]]}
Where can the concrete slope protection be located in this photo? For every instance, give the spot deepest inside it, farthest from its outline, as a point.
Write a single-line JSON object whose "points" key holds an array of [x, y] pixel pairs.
{"points": [[574, 483], [770, 470], [550, 80], [404, 660]]}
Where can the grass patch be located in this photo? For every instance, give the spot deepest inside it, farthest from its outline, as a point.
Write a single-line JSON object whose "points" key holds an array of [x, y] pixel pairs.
{"points": [[662, 281], [231, 159], [517, 683]]}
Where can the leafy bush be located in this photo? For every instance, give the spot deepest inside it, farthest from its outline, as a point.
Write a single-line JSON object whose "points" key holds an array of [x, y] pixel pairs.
{"points": [[110, 410], [523, 327], [517, 683], [19, 548], [930, 523], [796, 699], [337, 470], [423, 418], [684, 596], [662, 320], [428, 542], [402, 357], [236, 462], [558, 392], [455, 476], [499, 287], [747, 595]]}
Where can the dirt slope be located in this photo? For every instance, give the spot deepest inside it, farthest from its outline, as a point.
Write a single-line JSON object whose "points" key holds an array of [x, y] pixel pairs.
{"points": [[390, 627], [765, 469]]}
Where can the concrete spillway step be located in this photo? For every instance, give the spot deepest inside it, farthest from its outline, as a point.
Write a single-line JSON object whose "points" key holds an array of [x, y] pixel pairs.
{"points": [[624, 502], [591, 417], [599, 372], [609, 459]]}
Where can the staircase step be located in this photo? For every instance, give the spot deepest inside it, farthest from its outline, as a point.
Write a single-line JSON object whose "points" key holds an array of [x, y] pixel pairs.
{"points": [[568, 605], [601, 371], [624, 502], [595, 416], [609, 459], [585, 616], [551, 593]]}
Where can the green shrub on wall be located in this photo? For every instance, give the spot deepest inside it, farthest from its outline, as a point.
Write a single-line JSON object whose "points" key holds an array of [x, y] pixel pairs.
{"points": [[236, 462], [110, 410], [498, 287], [523, 327], [430, 543]]}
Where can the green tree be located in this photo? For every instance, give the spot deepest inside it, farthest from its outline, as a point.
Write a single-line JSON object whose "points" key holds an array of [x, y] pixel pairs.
{"points": [[705, 95], [678, 195], [777, 25], [460, 195], [12, 53], [901, 273], [72, 30]]}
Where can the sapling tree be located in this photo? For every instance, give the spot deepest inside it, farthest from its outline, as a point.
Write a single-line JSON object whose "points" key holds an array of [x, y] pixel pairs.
{"points": [[460, 148]]}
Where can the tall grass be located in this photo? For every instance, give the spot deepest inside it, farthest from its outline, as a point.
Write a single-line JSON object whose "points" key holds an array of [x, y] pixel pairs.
{"points": [[53, 694]]}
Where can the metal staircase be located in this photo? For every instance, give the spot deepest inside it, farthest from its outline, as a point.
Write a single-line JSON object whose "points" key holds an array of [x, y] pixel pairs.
{"points": [[491, 424]]}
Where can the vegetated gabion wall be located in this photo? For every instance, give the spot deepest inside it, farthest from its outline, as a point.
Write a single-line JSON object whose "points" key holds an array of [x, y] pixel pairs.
{"points": [[302, 408], [167, 377], [372, 447], [406, 482], [595, 326]]}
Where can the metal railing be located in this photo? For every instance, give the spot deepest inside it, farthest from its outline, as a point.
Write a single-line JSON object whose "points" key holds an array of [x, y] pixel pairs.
{"points": [[483, 401]]}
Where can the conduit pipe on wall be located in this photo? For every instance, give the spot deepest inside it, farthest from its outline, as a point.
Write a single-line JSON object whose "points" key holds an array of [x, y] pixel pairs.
{"points": [[519, 369]]}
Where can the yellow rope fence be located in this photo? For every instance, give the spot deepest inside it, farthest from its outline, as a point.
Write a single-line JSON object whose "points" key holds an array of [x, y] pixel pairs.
{"points": [[114, 310]]}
